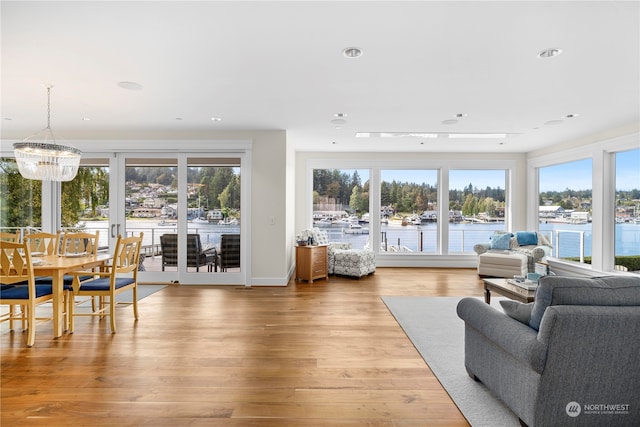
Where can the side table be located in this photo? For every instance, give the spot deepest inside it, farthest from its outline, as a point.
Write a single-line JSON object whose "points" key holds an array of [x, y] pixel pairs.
{"points": [[311, 263]]}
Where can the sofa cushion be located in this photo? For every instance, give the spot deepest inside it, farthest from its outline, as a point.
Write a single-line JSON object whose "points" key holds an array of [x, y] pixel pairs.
{"points": [[517, 310], [501, 241], [598, 291], [526, 238]]}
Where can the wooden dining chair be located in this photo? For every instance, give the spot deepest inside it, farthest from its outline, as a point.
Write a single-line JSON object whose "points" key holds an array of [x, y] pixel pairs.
{"points": [[71, 244], [79, 243], [18, 286], [120, 276], [41, 243], [6, 236]]}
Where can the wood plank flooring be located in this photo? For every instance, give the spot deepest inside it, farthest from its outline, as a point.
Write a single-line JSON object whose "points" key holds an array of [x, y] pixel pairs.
{"points": [[323, 354]]}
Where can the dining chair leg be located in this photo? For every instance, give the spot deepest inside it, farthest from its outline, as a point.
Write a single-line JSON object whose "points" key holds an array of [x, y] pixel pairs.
{"points": [[135, 302], [70, 309], [31, 325], [112, 313], [23, 309]]}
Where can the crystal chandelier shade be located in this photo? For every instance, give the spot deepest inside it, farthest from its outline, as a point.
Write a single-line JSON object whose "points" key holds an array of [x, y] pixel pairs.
{"points": [[41, 157]]}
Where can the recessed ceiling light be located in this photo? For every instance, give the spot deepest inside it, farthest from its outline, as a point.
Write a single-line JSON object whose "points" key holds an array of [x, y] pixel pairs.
{"points": [[460, 115], [86, 119], [130, 85], [449, 122], [340, 115], [549, 53], [571, 116], [352, 52], [216, 119], [554, 122]]}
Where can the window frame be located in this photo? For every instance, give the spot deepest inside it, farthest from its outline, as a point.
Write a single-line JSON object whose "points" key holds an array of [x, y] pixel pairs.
{"points": [[602, 154]]}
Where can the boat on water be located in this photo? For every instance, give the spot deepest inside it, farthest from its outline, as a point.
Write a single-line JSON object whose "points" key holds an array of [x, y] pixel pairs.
{"points": [[398, 220], [414, 220], [164, 223], [356, 229], [228, 221], [200, 220]]}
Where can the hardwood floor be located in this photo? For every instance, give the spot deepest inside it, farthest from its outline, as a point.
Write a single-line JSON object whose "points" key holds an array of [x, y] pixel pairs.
{"points": [[322, 354]]}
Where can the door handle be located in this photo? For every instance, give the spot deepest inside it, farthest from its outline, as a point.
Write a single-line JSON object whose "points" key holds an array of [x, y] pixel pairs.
{"points": [[113, 226]]}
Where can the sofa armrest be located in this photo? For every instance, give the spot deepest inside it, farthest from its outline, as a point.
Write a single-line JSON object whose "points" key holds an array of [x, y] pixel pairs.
{"points": [[339, 245], [515, 338], [481, 248], [537, 253]]}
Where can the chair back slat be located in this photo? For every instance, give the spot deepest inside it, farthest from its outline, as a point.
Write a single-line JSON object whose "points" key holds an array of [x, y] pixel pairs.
{"points": [[127, 254], [9, 237], [15, 263], [41, 242], [80, 243]]}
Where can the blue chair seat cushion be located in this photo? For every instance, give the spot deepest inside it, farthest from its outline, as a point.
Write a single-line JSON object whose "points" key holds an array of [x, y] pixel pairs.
{"points": [[22, 292], [68, 281], [102, 284]]}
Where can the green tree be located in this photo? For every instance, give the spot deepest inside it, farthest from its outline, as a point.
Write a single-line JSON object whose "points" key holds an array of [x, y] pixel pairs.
{"points": [[355, 202]]}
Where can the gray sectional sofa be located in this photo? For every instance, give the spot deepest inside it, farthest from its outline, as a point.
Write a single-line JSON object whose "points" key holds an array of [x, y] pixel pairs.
{"points": [[570, 358]]}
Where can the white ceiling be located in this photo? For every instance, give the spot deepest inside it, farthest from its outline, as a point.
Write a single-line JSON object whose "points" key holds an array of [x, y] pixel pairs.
{"points": [[279, 65]]}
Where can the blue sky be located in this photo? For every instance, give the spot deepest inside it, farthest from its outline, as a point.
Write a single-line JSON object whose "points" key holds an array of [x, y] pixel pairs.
{"points": [[574, 175], [577, 175]]}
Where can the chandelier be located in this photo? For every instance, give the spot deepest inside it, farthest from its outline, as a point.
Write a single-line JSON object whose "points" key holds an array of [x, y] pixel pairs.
{"points": [[41, 158]]}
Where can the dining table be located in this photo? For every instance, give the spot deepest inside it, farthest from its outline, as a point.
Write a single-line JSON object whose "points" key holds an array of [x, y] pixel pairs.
{"points": [[56, 266]]}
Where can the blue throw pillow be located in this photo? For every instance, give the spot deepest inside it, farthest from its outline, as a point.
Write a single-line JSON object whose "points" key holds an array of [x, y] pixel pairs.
{"points": [[501, 241], [526, 238]]}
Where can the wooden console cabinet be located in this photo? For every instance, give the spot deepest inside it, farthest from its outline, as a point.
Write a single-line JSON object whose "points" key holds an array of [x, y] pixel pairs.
{"points": [[311, 263]]}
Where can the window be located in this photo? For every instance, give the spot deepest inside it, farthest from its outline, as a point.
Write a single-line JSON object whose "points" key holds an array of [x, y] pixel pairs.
{"points": [[564, 208], [477, 206], [627, 209], [341, 204], [20, 199], [408, 210]]}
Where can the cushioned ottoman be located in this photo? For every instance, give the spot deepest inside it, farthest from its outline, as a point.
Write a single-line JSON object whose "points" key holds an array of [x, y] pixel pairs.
{"points": [[502, 264], [354, 262]]}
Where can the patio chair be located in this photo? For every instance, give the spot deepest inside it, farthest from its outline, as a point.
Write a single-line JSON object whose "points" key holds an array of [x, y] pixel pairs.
{"points": [[197, 255], [229, 253]]}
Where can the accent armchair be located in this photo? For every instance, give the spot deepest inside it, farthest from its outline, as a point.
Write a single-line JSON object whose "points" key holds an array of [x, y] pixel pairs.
{"points": [[343, 259], [509, 254]]}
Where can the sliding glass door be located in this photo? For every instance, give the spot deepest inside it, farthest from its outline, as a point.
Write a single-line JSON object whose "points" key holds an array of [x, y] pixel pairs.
{"points": [[189, 209]]}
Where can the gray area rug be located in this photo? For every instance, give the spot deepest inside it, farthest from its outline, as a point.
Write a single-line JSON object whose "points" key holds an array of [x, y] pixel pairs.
{"points": [[436, 331], [143, 292]]}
